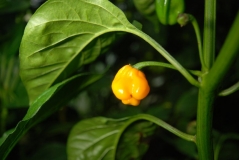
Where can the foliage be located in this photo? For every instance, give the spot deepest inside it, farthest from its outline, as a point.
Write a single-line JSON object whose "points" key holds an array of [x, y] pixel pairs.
{"points": [[68, 53], [107, 132]]}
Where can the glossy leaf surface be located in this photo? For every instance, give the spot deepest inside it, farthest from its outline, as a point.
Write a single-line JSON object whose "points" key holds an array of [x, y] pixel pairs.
{"points": [[104, 138], [64, 35]]}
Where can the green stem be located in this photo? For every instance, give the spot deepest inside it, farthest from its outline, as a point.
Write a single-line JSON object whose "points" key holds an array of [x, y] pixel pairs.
{"points": [[199, 41], [206, 93], [204, 124], [167, 126], [230, 90], [157, 121], [166, 55], [209, 33], [141, 65], [226, 56], [209, 85]]}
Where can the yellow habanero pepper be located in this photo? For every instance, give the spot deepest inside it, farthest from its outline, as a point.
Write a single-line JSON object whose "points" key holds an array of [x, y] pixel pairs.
{"points": [[130, 85]]}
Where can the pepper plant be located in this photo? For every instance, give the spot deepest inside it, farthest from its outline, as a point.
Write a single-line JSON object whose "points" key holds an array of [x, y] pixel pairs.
{"points": [[63, 36]]}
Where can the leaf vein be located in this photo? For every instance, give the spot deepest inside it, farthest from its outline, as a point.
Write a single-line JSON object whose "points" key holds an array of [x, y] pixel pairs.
{"points": [[108, 12], [54, 43], [43, 74], [101, 138]]}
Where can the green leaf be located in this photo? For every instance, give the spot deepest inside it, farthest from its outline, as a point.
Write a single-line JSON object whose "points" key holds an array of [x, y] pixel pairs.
{"points": [[64, 35], [46, 104], [134, 140], [104, 138], [98, 138]]}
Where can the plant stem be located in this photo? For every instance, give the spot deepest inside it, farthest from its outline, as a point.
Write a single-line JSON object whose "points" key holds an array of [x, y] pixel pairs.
{"points": [[229, 90], [199, 41], [226, 56], [166, 55], [156, 121], [207, 92], [167, 126], [204, 124], [209, 33], [143, 64]]}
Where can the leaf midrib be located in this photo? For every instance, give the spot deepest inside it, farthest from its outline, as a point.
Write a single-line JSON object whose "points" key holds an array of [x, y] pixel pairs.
{"points": [[82, 48]]}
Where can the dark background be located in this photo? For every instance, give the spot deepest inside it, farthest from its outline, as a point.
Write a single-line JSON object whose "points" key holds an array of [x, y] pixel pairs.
{"points": [[171, 97]]}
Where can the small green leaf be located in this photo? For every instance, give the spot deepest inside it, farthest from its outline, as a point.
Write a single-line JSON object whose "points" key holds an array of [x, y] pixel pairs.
{"points": [[46, 104], [98, 138]]}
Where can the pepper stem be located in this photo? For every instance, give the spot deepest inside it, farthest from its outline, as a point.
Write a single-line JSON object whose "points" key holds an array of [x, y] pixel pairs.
{"points": [[189, 77]]}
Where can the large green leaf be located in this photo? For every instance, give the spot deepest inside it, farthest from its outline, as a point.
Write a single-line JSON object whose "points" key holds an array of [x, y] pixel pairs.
{"points": [[104, 138], [47, 103], [64, 35]]}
